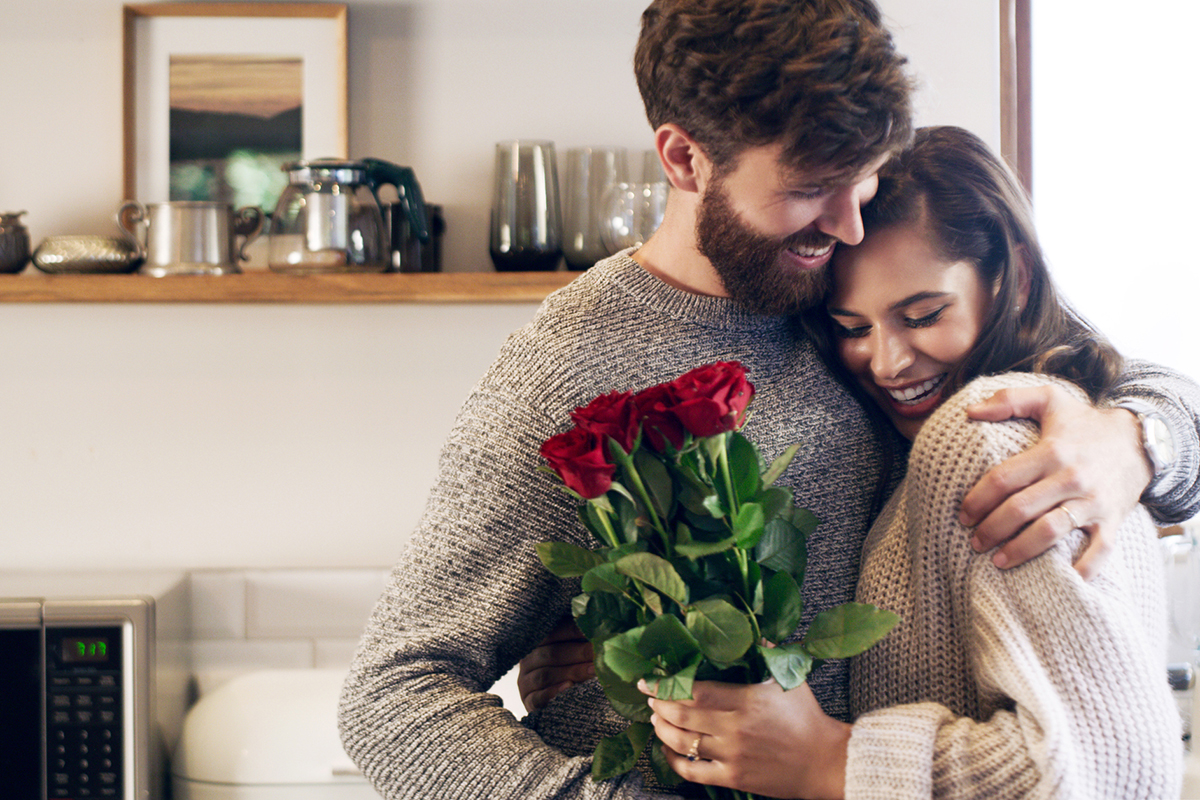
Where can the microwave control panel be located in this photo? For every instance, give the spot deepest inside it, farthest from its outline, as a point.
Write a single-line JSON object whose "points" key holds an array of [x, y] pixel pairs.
{"points": [[84, 718]]}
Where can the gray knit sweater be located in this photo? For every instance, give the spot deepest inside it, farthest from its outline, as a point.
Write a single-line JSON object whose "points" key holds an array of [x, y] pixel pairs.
{"points": [[469, 597], [1018, 683]]}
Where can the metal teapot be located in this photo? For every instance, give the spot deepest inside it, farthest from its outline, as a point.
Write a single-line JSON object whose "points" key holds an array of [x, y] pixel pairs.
{"points": [[328, 219]]}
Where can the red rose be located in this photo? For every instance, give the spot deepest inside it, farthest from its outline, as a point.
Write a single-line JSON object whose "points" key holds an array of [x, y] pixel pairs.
{"points": [[712, 399], [610, 415], [659, 423], [579, 458]]}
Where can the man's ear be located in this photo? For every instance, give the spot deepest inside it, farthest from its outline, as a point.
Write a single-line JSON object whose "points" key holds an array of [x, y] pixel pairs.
{"points": [[683, 160]]}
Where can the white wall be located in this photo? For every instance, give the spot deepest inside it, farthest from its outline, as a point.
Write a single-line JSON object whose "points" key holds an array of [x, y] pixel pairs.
{"points": [[1115, 172], [269, 436]]}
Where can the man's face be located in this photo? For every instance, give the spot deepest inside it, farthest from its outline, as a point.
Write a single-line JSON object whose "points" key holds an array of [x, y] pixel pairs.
{"points": [[769, 232]]}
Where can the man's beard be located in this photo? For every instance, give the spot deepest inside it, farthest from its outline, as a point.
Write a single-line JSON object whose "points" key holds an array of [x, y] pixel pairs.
{"points": [[748, 262]]}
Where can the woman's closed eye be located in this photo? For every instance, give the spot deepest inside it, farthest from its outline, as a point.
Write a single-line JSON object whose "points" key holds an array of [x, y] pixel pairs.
{"points": [[850, 331], [925, 321]]}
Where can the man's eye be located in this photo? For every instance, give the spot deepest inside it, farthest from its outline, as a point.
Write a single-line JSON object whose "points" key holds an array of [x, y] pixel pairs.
{"points": [[925, 321]]}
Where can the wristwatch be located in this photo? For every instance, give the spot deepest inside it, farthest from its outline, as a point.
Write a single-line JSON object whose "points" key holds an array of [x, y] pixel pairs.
{"points": [[1157, 440]]}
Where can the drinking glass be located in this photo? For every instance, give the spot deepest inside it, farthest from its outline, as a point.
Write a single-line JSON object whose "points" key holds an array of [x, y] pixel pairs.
{"points": [[589, 173], [526, 224], [1182, 554], [652, 169], [633, 211]]}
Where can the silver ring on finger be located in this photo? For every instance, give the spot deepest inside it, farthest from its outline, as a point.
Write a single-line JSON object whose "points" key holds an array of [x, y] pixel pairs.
{"points": [[1074, 522]]}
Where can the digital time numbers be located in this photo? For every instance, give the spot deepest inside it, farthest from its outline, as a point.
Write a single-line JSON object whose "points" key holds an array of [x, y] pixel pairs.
{"points": [[79, 650]]}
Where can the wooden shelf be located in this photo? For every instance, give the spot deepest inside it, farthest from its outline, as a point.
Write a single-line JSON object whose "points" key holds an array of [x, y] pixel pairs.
{"points": [[270, 287]]}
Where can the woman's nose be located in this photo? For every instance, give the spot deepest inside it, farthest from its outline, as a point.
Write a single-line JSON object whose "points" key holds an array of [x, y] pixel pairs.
{"points": [[890, 356]]}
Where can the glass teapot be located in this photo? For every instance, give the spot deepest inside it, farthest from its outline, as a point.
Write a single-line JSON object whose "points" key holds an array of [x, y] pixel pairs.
{"points": [[328, 219]]}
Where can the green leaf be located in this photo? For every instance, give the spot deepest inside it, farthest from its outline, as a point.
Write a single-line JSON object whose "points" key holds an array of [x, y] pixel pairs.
{"points": [[662, 770], [605, 615], [596, 520], [847, 630], [775, 500], [657, 481], [677, 686], [745, 464], [748, 526], [779, 465], [783, 606], [635, 710], [567, 560], [724, 633], [685, 545], [616, 755], [804, 521], [667, 639], [714, 506], [788, 664], [657, 572], [604, 578], [782, 548], [620, 654]]}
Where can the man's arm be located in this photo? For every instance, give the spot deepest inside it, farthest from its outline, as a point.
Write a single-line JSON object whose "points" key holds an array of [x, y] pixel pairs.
{"points": [[1090, 461], [468, 598]]}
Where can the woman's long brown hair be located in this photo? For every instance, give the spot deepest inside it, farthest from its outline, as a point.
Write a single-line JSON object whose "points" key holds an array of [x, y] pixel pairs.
{"points": [[975, 210]]}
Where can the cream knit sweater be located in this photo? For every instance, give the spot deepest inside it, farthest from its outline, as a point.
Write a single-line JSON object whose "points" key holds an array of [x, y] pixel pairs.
{"points": [[1023, 683]]}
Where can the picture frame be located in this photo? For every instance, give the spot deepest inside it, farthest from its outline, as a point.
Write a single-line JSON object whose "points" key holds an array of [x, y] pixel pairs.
{"points": [[218, 96]]}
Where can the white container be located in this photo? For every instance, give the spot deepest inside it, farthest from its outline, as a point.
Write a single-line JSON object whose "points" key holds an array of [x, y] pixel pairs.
{"points": [[269, 735]]}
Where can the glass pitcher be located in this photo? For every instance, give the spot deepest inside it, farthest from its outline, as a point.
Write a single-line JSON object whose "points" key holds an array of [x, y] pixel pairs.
{"points": [[328, 219]]}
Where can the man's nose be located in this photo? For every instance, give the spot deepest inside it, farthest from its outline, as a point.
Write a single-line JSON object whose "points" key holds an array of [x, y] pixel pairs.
{"points": [[842, 216]]}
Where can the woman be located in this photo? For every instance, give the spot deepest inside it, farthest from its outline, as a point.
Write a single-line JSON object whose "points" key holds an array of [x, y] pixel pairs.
{"points": [[1028, 682]]}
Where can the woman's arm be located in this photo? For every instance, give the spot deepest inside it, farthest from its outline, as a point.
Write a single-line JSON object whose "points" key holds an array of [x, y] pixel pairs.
{"points": [[1043, 683]]}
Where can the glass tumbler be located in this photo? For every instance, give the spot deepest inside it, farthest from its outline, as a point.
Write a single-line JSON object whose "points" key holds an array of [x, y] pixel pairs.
{"points": [[526, 223], [633, 211], [589, 173]]}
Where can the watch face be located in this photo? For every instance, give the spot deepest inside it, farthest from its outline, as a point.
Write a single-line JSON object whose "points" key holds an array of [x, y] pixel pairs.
{"points": [[1160, 446]]}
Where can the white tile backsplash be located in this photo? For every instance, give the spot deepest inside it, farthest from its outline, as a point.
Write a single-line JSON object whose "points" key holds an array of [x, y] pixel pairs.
{"points": [[247, 620], [310, 602], [218, 605]]}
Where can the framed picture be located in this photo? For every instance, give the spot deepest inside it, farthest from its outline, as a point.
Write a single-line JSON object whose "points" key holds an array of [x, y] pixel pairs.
{"points": [[219, 96]]}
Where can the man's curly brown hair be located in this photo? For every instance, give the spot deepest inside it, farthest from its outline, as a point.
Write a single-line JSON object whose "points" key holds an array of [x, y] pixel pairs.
{"points": [[821, 76]]}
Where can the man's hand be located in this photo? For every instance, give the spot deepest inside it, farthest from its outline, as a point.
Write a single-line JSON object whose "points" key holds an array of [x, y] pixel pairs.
{"points": [[563, 659], [1089, 461]]}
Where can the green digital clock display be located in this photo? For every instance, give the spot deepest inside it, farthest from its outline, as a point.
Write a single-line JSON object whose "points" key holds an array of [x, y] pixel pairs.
{"points": [[84, 650]]}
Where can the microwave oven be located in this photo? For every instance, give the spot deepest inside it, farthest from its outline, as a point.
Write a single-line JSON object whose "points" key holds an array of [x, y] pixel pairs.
{"points": [[94, 681]]}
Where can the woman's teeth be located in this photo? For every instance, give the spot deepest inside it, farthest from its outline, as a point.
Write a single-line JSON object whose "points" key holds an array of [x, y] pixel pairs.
{"points": [[917, 394]]}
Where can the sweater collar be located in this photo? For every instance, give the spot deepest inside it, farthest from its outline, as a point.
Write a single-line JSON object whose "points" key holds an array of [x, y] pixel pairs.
{"points": [[715, 312]]}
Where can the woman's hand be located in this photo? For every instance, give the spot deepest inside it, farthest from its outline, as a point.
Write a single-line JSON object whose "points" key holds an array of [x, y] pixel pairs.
{"points": [[755, 738], [1089, 461], [563, 659]]}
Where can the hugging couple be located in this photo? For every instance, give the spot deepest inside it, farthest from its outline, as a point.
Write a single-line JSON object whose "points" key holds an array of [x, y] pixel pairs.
{"points": [[982, 462]]}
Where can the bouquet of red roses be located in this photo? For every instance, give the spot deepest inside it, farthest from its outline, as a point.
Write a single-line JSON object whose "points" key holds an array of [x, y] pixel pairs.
{"points": [[701, 556]]}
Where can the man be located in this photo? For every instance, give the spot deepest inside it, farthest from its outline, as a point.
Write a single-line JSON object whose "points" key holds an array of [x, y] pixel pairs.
{"points": [[770, 117]]}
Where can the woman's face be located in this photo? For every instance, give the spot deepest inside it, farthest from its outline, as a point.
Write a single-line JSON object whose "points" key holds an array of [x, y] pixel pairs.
{"points": [[905, 319]]}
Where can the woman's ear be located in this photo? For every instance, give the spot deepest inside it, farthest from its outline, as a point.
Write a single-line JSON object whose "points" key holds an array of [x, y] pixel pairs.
{"points": [[1024, 275], [684, 162]]}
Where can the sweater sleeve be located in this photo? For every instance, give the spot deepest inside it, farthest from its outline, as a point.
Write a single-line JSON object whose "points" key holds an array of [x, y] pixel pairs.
{"points": [[465, 602], [1066, 695], [1173, 496]]}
